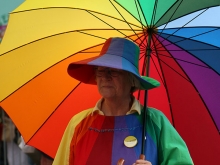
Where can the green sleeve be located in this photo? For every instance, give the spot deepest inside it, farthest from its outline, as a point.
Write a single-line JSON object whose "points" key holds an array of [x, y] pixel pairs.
{"points": [[172, 150]]}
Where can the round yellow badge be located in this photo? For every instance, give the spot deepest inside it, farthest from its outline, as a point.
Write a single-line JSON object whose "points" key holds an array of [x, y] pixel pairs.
{"points": [[130, 141]]}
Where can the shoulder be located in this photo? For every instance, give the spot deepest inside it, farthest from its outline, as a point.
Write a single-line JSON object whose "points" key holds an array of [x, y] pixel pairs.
{"points": [[155, 113], [158, 117], [83, 114], [76, 119]]}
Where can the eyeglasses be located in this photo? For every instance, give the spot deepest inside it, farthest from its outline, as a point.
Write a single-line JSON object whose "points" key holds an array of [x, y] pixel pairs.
{"points": [[101, 71]]}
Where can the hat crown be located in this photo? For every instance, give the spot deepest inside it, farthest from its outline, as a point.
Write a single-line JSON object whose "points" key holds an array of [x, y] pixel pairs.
{"points": [[119, 53], [122, 47]]}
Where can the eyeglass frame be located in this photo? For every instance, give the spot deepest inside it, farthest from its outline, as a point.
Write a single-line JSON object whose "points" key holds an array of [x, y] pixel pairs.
{"points": [[109, 71]]}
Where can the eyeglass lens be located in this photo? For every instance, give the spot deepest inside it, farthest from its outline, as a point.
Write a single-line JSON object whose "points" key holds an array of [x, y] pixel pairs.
{"points": [[111, 71]]}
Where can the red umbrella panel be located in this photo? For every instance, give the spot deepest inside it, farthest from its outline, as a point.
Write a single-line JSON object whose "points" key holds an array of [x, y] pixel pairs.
{"points": [[189, 94]]}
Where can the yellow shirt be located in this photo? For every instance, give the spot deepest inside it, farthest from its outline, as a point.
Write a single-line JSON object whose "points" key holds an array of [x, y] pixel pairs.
{"points": [[136, 107]]}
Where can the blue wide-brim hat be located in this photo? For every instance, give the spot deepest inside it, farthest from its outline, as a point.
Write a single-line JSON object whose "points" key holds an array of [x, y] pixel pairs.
{"points": [[119, 53]]}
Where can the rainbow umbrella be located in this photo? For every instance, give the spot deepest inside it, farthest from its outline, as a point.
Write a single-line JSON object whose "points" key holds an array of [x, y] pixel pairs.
{"points": [[179, 42]]}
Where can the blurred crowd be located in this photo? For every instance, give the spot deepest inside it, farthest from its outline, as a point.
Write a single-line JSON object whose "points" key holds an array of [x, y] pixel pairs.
{"points": [[13, 150]]}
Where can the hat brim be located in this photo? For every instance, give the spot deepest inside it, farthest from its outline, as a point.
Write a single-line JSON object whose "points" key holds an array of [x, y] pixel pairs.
{"points": [[84, 70]]}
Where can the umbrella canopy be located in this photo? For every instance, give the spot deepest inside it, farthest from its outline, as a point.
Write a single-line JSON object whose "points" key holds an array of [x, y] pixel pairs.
{"points": [[180, 37]]}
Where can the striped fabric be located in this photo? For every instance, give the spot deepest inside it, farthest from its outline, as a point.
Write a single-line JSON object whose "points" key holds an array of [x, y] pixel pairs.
{"points": [[95, 139]]}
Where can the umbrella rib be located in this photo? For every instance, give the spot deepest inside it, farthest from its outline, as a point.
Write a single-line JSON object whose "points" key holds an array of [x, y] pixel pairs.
{"points": [[154, 12], [47, 69], [125, 20], [183, 60], [144, 67], [143, 14], [187, 49], [79, 31], [184, 39], [139, 13], [132, 14], [164, 81], [91, 34], [183, 25], [172, 68], [176, 63], [108, 24], [157, 52], [52, 112], [168, 10], [73, 31], [142, 44], [74, 9], [192, 85], [144, 56], [141, 22], [137, 1], [170, 17], [197, 57]]}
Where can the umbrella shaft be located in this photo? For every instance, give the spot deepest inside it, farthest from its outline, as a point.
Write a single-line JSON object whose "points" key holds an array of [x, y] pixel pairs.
{"points": [[148, 52]]}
